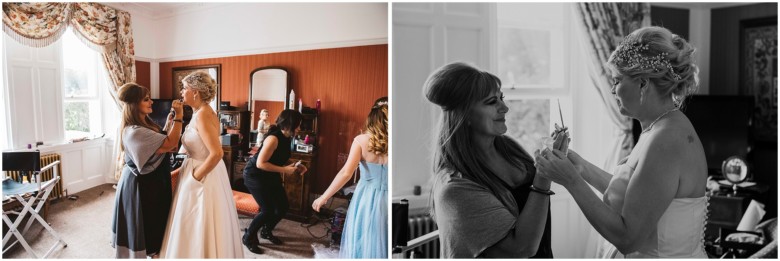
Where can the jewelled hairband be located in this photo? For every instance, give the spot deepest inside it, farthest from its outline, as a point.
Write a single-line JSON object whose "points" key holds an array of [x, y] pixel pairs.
{"points": [[380, 104], [196, 80], [630, 53]]}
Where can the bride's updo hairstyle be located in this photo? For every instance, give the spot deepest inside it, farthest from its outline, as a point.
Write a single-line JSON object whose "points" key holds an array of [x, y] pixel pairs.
{"points": [[662, 57], [203, 84], [456, 88]]}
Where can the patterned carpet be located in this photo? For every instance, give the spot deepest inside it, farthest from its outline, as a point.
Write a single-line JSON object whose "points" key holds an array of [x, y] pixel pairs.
{"points": [[85, 224]]}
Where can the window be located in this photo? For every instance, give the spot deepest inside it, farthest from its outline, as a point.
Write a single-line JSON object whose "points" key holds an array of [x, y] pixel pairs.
{"points": [[82, 85], [532, 63]]}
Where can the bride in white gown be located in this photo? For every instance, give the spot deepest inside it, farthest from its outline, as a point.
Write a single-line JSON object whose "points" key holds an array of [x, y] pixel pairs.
{"points": [[203, 222], [654, 204]]}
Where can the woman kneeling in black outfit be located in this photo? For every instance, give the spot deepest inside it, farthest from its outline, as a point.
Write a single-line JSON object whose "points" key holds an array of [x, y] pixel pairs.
{"points": [[262, 176]]}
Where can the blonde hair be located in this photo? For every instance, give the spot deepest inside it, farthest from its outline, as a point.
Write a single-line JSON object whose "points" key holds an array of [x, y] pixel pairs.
{"points": [[376, 127], [202, 83], [131, 94], [679, 80]]}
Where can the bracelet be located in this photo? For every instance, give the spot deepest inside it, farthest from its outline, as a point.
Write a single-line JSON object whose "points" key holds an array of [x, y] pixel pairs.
{"points": [[179, 120], [542, 191]]}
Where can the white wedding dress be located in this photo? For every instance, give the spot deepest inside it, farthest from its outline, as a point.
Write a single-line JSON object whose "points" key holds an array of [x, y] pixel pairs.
{"points": [[678, 234], [203, 222]]}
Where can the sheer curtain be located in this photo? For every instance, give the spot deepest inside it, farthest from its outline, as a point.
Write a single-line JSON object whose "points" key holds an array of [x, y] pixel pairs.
{"points": [[604, 25], [100, 27]]}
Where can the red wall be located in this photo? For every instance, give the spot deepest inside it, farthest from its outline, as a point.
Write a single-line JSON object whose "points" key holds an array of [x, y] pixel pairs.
{"points": [[143, 74], [346, 80]]}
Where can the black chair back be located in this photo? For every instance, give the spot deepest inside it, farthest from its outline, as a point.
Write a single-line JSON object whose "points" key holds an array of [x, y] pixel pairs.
{"points": [[400, 223], [22, 161]]}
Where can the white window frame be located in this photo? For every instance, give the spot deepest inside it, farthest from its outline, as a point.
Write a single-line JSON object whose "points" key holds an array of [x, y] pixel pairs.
{"points": [[96, 81], [552, 91]]}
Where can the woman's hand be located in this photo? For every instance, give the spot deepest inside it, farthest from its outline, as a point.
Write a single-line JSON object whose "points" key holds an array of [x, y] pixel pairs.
{"points": [[178, 108], [301, 168], [290, 169], [555, 166], [318, 203], [196, 176], [578, 162]]}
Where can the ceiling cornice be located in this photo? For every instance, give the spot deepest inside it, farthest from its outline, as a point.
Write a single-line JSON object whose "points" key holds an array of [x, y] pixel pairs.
{"points": [[157, 11]]}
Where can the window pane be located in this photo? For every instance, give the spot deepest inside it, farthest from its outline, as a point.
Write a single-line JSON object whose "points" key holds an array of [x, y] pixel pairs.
{"points": [[80, 67], [523, 56], [75, 83], [77, 116], [528, 121], [531, 44]]}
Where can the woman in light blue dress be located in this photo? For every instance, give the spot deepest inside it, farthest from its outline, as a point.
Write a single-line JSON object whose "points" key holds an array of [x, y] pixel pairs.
{"points": [[365, 231]]}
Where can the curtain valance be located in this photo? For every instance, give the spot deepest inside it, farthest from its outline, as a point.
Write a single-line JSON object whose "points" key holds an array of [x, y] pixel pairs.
{"points": [[40, 24]]}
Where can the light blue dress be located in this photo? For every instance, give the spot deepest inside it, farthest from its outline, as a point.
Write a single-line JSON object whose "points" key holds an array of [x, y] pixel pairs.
{"points": [[365, 230]]}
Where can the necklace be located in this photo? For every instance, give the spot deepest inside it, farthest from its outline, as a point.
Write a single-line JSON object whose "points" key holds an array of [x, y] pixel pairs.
{"points": [[656, 119]]}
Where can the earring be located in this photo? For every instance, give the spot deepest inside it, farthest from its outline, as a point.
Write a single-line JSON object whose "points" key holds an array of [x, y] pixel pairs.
{"points": [[642, 95]]}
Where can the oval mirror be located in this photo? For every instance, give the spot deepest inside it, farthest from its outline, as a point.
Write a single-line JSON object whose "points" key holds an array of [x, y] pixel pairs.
{"points": [[735, 170], [267, 91]]}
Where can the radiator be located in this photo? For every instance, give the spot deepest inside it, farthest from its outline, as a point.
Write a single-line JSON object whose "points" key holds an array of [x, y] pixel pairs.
{"points": [[47, 159], [419, 226]]}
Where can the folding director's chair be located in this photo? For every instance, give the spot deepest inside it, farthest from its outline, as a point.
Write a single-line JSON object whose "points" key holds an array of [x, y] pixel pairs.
{"points": [[32, 195]]}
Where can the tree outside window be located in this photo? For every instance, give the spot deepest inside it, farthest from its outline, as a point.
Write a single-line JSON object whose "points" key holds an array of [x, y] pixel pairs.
{"points": [[532, 66], [80, 88]]}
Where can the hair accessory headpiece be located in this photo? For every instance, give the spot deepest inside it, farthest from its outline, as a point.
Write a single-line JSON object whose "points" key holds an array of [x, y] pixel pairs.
{"points": [[380, 104], [630, 53]]}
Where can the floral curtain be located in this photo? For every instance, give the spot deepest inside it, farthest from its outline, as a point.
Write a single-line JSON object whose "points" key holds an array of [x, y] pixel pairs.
{"points": [[104, 29], [606, 24], [119, 59], [35, 24]]}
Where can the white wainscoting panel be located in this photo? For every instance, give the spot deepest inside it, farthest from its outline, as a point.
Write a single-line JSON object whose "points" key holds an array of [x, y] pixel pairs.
{"points": [[84, 164], [427, 36], [50, 105], [34, 91], [21, 104]]}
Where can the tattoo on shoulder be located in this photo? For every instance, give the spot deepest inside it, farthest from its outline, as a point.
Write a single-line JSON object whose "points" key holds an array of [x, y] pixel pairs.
{"points": [[690, 138]]}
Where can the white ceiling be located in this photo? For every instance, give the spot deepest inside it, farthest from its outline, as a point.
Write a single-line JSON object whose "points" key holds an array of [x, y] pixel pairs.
{"points": [[699, 5], [159, 10]]}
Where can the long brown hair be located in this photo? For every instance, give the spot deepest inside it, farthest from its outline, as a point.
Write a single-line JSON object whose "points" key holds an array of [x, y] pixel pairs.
{"points": [[456, 88], [131, 94], [376, 127]]}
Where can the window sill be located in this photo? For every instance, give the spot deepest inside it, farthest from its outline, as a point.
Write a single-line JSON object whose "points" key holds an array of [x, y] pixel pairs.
{"points": [[73, 146]]}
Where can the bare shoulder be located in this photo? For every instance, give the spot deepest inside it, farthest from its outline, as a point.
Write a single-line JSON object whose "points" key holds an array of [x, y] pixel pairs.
{"points": [[678, 133], [208, 115], [270, 140], [362, 138], [673, 143], [207, 119]]}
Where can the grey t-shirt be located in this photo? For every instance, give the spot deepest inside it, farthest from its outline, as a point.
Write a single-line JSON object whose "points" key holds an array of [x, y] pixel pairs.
{"points": [[470, 218], [140, 146]]}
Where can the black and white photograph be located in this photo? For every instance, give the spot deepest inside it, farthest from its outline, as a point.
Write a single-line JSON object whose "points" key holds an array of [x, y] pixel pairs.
{"points": [[584, 130]]}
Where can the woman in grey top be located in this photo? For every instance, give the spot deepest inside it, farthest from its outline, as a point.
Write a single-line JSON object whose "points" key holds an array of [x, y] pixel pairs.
{"points": [[143, 197], [487, 199]]}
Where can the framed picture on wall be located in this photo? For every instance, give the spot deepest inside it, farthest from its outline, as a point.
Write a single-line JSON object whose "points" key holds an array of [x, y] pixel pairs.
{"points": [[214, 70], [758, 76]]}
